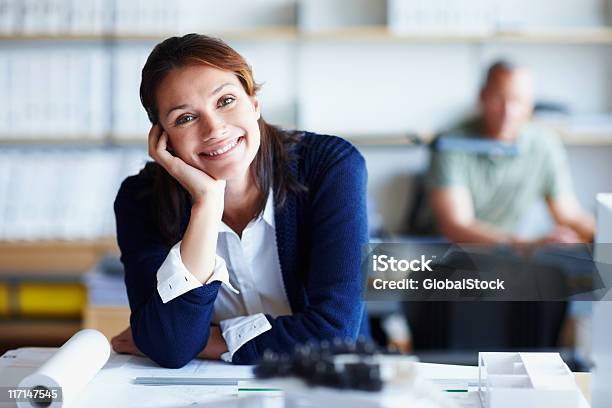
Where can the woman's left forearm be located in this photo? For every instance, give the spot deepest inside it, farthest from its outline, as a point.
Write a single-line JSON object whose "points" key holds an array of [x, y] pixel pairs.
{"points": [[215, 346]]}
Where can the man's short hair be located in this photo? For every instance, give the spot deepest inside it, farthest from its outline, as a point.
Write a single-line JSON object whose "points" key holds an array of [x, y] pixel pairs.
{"points": [[496, 67]]}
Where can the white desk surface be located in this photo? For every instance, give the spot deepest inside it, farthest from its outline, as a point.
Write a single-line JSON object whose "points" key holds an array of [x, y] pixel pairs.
{"points": [[113, 386]]}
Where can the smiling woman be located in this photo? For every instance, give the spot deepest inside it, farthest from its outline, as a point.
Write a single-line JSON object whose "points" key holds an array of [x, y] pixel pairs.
{"points": [[239, 236]]}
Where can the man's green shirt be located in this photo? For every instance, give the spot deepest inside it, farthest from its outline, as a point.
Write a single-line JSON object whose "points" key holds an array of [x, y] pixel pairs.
{"points": [[504, 187]]}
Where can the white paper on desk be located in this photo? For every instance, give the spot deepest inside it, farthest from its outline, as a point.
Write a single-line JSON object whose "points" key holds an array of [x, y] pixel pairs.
{"points": [[32, 357], [466, 399], [143, 367], [71, 367]]}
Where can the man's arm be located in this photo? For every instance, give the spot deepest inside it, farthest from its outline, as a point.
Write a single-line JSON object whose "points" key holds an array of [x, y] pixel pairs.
{"points": [[567, 212], [560, 197], [454, 213]]}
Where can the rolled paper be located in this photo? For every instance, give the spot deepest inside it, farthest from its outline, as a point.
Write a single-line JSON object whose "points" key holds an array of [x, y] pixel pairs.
{"points": [[69, 369]]}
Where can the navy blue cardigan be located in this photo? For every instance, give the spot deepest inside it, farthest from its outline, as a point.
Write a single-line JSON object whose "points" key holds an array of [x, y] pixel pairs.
{"points": [[319, 236]]}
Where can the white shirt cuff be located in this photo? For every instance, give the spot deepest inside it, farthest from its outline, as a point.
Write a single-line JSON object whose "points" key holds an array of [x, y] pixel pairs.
{"points": [[239, 330], [173, 278]]}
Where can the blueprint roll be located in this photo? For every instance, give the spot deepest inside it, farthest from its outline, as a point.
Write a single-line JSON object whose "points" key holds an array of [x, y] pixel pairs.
{"points": [[71, 368]]}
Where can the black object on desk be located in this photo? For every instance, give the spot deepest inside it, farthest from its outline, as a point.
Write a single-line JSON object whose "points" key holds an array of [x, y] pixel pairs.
{"points": [[340, 364]]}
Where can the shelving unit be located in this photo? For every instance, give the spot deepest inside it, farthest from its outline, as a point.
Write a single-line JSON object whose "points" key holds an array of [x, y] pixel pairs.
{"points": [[423, 138], [41, 332], [26, 262], [297, 32], [322, 61], [257, 34], [552, 36], [71, 258], [361, 140], [585, 138], [595, 35], [349, 73]]}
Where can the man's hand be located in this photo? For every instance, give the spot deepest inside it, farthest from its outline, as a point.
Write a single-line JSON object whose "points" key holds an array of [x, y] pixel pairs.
{"points": [[561, 235], [566, 211]]}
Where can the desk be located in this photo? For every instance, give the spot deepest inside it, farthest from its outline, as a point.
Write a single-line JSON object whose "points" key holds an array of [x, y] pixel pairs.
{"points": [[113, 386], [584, 383]]}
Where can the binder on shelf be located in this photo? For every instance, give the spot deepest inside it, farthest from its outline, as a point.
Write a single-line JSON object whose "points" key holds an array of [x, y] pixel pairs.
{"points": [[4, 300], [129, 120], [69, 98], [46, 299], [421, 17], [49, 193]]}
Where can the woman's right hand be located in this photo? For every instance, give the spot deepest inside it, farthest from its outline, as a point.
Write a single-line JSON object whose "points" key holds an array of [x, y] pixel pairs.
{"points": [[202, 187], [199, 241]]}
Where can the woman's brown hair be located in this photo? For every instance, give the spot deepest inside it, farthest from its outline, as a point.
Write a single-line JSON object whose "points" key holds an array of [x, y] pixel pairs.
{"points": [[270, 166]]}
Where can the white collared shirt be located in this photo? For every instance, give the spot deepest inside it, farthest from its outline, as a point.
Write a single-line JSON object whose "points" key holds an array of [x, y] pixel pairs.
{"points": [[250, 264]]}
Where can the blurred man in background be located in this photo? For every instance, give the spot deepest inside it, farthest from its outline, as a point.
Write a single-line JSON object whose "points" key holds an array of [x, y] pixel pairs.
{"points": [[479, 194], [483, 177]]}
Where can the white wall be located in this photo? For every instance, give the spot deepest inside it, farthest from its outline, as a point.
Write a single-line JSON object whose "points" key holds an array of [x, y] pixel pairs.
{"points": [[274, 68], [578, 75], [380, 87], [391, 174]]}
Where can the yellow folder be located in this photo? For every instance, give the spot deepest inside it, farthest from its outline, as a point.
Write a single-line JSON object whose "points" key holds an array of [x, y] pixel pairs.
{"points": [[4, 300], [51, 299]]}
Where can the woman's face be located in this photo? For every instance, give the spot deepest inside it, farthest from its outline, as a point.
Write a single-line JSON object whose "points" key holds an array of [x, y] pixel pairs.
{"points": [[210, 120]]}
